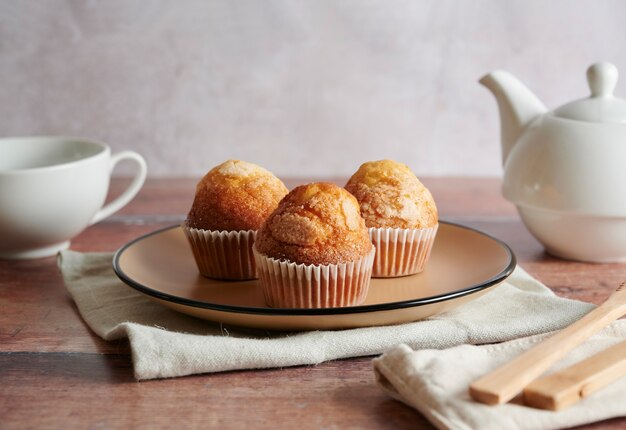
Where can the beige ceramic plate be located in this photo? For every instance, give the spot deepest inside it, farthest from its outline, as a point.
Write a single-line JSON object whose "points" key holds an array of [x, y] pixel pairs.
{"points": [[464, 264]]}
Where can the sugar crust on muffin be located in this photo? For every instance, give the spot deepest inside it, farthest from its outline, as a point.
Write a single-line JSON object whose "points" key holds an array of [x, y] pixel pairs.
{"points": [[390, 195], [318, 223], [235, 195]]}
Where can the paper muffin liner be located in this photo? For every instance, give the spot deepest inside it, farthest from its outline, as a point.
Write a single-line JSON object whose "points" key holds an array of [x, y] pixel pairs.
{"points": [[223, 254], [401, 251], [291, 285]]}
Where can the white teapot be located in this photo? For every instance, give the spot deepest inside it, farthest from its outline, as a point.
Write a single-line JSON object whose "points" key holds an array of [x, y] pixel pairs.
{"points": [[565, 169]]}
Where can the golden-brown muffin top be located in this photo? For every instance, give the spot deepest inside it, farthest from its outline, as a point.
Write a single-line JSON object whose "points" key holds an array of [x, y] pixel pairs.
{"points": [[390, 195], [236, 195], [317, 223]]}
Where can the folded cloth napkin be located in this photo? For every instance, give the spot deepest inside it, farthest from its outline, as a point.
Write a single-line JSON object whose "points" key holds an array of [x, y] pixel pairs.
{"points": [[165, 343], [435, 382]]}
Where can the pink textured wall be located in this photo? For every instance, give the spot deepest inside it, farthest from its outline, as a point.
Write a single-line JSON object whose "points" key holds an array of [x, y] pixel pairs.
{"points": [[301, 87]]}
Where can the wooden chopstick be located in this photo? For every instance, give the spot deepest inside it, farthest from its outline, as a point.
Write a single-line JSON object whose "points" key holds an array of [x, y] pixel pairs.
{"points": [[568, 386], [507, 381]]}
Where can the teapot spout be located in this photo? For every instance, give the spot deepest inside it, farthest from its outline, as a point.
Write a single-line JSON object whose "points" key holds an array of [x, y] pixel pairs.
{"points": [[518, 106]]}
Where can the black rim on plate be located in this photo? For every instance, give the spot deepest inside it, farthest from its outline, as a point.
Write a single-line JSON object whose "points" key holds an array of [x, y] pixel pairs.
{"points": [[322, 311]]}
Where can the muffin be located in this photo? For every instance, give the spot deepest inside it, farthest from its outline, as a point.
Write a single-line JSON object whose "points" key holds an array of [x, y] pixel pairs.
{"points": [[231, 203], [314, 250], [400, 213]]}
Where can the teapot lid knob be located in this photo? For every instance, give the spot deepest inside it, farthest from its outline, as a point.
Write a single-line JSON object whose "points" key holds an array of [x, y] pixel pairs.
{"points": [[602, 78]]}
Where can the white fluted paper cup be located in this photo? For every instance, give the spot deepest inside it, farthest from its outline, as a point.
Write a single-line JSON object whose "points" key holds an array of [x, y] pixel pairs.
{"points": [[401, 251], [223, 254], [310, 286]]}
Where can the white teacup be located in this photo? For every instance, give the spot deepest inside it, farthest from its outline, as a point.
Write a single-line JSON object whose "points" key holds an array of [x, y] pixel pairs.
{"points": [[52, 188]]}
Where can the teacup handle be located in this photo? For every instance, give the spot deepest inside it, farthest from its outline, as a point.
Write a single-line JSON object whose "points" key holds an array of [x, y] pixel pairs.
{"points": [[130, 192]]}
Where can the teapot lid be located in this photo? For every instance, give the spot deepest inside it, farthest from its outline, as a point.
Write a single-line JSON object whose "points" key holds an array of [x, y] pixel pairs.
{"points": [[601, 106]]}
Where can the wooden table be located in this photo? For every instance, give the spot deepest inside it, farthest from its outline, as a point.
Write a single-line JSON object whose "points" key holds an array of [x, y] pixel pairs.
{"points": [[55, 373]]}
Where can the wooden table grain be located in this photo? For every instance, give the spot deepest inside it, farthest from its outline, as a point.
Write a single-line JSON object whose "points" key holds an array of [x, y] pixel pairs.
{"points": [[55, 373]]}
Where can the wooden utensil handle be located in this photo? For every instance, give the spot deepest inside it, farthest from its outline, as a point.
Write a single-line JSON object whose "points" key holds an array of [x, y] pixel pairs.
{"points": [[507, 381], [563, 388]]}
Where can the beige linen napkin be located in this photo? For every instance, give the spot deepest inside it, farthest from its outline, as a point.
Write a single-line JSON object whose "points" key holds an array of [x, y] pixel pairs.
{"points": [[165, 343], [435, 382]]}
